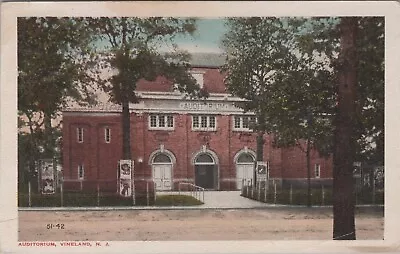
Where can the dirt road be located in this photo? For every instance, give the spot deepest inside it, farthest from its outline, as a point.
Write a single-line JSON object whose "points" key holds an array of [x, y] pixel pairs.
{"points": [[258, 224]]}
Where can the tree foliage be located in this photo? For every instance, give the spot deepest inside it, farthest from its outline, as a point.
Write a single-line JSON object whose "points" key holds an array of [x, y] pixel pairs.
{"points": [[284, 86], [132, 45], [287, 70]]}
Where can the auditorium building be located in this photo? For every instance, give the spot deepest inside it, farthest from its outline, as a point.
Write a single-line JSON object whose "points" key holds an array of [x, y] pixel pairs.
{"points": [[176, 139]]}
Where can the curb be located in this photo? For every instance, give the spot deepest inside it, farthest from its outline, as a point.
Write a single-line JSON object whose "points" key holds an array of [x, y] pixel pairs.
{"points": [[160, 208]]}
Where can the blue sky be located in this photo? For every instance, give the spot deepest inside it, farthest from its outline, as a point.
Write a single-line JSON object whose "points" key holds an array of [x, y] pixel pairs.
{"points": [[206, 38]]}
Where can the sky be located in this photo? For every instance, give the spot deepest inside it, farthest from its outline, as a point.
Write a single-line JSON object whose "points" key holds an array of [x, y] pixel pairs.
{"points": [[206, 39]]}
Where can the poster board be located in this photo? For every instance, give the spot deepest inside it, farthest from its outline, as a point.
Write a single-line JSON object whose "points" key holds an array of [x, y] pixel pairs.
{"points": [[125, 169], [47, 177]]}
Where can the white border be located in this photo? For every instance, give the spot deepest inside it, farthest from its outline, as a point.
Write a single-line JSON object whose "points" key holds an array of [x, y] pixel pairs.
{"points": [[9, 12]]}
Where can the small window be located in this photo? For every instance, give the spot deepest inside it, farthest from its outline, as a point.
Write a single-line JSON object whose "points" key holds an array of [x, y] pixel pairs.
{"points": [[204, 123], [237, 122], [317, 171], [195, 121], [170, 121], [79, 132], [165, 122], [107, 135], [243, 123], [153, 121], [81, 172]]}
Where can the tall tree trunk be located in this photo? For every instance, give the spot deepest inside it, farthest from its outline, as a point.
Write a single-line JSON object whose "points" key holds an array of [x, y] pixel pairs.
{"points": [[48, 137], [308, 173], [126, 119], [343, 184], [126, 130]]}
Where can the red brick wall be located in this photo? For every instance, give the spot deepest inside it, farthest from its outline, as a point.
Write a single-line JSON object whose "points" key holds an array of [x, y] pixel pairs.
{"points": [[100, 158]]}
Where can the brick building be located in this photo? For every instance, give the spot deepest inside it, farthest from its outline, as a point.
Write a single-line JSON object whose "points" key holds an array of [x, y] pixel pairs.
{"points": [[175, 139]]}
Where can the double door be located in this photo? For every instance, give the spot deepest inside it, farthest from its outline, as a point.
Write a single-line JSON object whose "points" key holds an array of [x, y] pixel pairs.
{"points": [[244, 173], [162, 175]]}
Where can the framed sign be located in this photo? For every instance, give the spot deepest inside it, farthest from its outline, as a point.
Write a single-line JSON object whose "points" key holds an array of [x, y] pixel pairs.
{"points": [[262, 170], [125, 177], [47, 177]]}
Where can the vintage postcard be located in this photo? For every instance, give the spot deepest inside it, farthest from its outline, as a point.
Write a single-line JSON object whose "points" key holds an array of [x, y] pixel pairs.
{"points": [[197, 127]]}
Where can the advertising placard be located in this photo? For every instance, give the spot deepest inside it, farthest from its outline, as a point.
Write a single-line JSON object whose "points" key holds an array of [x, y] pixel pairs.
{"points": [[125, 177], [262, 170], [47, 177]]}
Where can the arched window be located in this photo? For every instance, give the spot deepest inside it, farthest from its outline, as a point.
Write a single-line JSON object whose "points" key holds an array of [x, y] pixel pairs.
{"points": [[162, 158], [204, 159], [245, 158]]}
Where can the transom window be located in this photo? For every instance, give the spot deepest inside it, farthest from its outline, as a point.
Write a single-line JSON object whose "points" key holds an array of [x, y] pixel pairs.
{"points": [[161, 122], [317, 170], [204, 159], [245, 158], [162, 158], [206, 123], [79, 134], [243, 123]]}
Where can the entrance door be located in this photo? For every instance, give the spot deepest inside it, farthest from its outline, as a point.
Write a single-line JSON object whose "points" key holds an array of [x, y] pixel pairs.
{"points": [[162, 174], [205, 176], [244, 172]]}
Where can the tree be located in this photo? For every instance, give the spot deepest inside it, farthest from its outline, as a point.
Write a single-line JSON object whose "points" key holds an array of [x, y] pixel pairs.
{"points": [[133, 46], [54, 69], [305, 62], [343, 182], [265, 67]]}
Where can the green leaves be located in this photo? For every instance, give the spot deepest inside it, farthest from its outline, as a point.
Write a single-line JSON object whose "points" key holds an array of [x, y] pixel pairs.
{"points": [[286, 67]]}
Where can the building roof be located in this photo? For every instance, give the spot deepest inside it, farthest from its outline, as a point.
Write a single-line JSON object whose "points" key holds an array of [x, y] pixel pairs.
{"points": [[207, 60], [212, 77]]}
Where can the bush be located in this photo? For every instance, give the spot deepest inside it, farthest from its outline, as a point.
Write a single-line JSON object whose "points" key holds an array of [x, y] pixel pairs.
{"points": [[177, 200], [299, 196], [78, 199]]}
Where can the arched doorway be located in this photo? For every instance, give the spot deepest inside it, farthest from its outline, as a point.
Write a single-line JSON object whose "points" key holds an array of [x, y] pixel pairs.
{"points": [[206, 171], [244, 167], [162, 171]]}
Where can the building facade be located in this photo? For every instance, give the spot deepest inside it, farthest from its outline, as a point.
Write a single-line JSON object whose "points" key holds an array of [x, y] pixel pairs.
{"points": [[175, 139]]}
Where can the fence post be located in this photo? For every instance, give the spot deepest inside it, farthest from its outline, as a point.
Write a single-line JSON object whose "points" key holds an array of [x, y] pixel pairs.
{"points": [[81, 185], [242, 189], [29, 194], [291, 194], [98, 194], [373, 189], [252, 188], [179, 188], [147, 193], [154, 193], [323, 195], [259, 191], [133, 193], [247, 189], [265, 190], [62, 193], [274, 192]]}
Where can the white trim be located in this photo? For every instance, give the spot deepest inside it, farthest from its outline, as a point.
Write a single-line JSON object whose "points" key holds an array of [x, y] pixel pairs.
{"points": [[206, 151], [162, 150], [242, 151]]}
